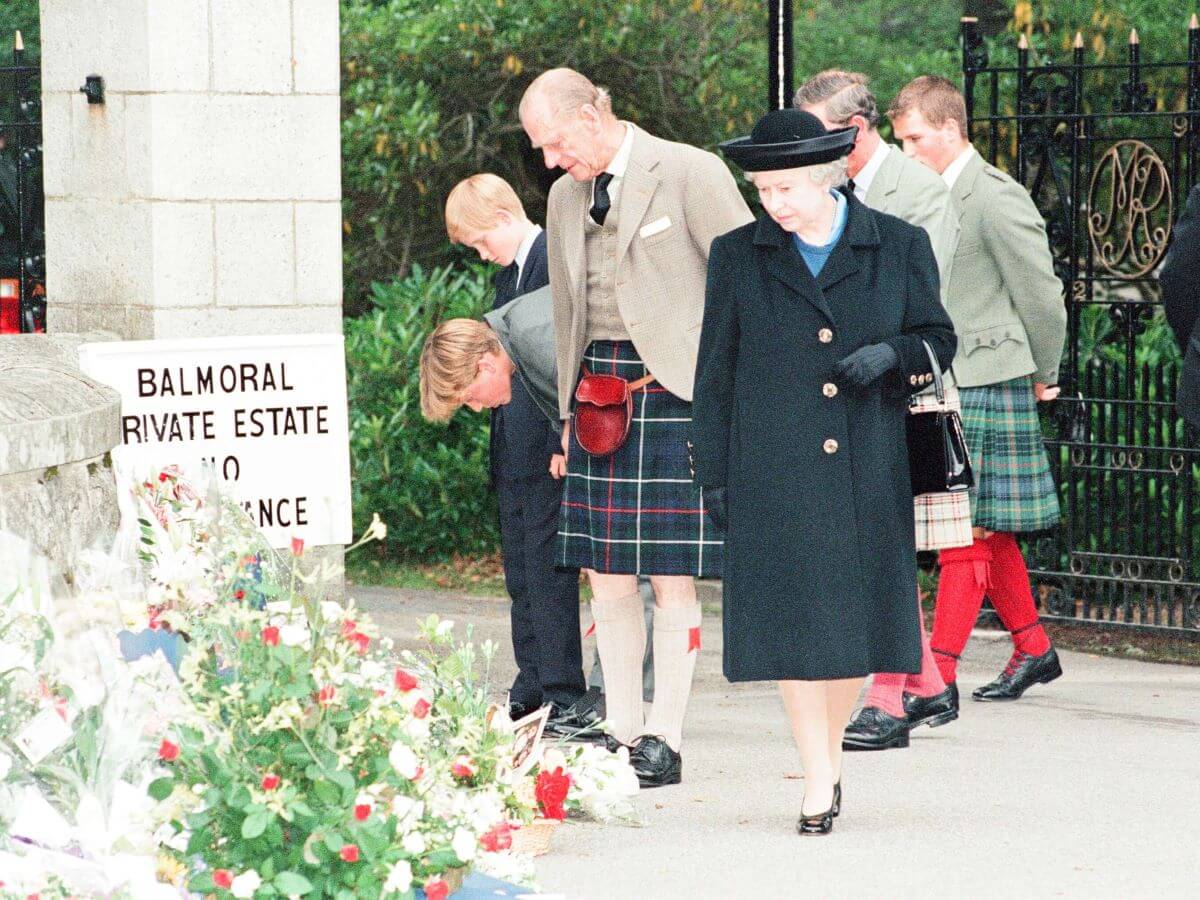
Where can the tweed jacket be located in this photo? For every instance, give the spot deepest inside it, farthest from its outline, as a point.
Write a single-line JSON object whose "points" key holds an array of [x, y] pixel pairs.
{"points": [[674, 200], [1004, 298], [908, 190]]}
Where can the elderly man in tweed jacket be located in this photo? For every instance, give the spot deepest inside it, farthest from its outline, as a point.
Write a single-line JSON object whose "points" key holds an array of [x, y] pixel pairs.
{"points": [[1007, 307], [890, 182], [628, 228]]}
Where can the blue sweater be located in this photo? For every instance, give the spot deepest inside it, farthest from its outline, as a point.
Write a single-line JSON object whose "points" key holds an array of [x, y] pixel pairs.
{"points": [[816, 256]]}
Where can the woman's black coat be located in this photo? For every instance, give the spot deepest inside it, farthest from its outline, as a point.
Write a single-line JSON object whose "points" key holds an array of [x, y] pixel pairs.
{"points": [[820, 565]]}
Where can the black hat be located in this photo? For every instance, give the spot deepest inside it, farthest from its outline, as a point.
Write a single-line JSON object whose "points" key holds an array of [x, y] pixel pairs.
{"points": [[789, 139]]}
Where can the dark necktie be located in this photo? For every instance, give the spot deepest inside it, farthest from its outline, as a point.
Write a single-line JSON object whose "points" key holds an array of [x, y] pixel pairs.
{"points": [[601, 204], [850, 186]]}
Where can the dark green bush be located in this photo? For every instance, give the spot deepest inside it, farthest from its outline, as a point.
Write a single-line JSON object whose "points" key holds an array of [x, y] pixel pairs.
{"points": [[427, 481]]}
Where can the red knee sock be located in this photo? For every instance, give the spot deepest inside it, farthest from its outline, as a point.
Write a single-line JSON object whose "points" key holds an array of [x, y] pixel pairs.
{"points": [[887, 689], [929, 681], [887, 693], [961, 586], [1012, 597]]}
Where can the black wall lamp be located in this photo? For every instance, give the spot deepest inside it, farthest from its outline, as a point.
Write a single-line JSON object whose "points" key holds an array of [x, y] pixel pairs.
{"points": [[93, 86]]}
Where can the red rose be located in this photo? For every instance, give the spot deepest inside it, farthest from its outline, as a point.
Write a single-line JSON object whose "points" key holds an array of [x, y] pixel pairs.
{"points": [[551, 791], [349, 853], [270, 782], [167, 751], [326, 695], [348, 628], [270, 636], [436, 889], [223, 878], [462, 767], [239, 594], [417, 774], [497, 839], [421, 708], [405, 682], [361, 642], [362, 811], [162, 476], [297, 546]]}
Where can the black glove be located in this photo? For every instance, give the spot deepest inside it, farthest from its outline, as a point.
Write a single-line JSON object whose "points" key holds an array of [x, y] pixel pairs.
{"points": [[714, 502], [865, 365]]}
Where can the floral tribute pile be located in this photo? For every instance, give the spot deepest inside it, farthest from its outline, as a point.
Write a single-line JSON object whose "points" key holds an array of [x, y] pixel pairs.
{"points": [[298, 753]]}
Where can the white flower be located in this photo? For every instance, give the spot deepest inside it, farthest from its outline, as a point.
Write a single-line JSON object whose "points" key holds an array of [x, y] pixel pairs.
{"points": [[417, 729], [245, 884], [553, 759], [404, 761], [5, 765], [414, 843], [399, 878], [331, 611], [377, 530], [464, 844], [444, 628], [294, 635]]}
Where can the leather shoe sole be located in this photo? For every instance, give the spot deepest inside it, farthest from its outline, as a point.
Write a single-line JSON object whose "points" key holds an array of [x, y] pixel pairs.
{"points": [[897, 742]]}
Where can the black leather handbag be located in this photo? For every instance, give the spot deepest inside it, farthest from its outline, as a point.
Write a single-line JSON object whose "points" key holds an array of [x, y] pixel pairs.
{"points": [[938, 461]]}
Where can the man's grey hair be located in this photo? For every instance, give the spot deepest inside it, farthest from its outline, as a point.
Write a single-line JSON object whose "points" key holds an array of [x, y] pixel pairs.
{"points": [[845, 94], [563, 92]]}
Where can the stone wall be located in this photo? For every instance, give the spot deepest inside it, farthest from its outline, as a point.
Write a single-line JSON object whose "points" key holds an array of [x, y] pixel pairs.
{"points": [[203, 197], [57, 488]]}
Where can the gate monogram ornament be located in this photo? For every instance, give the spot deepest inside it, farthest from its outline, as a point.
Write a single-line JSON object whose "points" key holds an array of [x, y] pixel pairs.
{"points": [[1129, 193]]}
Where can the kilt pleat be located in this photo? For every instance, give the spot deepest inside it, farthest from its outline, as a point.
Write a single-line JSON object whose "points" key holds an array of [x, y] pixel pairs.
{"points": [[1014, 489], [942, 520], [638, 511]]}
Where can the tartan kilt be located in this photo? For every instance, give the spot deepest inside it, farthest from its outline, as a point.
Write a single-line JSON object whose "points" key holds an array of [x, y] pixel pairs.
{"points": [[1014, 489], [942, 520], [639, 510]]}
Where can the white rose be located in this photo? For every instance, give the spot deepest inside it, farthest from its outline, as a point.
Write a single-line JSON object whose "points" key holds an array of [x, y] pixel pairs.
{"points": [[294, 635], [464, 844], [331, 611], [418, 729], [245, 884], [399, 878], [553, 759], [403, 760], [414, 843]]}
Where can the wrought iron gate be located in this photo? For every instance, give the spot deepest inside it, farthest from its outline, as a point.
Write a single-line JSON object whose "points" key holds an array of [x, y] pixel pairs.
{"points": [[1108, 151], [22, 237]]}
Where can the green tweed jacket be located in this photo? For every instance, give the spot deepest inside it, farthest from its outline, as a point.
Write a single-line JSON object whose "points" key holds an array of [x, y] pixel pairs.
{"points": [[1004, 298]]}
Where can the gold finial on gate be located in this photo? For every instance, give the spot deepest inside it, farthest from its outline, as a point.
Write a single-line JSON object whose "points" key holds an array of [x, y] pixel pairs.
{"points": [[18, 41], [1133, 36], [1079, 40], [1023, 42], [971, 19]]}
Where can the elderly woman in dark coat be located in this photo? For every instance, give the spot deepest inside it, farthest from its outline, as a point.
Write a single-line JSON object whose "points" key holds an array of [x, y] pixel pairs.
{"points": [[814, 328]]}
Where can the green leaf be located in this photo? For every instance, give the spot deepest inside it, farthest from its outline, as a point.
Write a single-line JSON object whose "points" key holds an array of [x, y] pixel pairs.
{"points": [[255, 824], [160, 788], [300, 808], [292, 883], [327, 792], [334, 842]]}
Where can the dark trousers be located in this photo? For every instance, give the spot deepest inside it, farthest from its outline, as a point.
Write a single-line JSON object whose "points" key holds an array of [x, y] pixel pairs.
{"points": [[545, 599]]}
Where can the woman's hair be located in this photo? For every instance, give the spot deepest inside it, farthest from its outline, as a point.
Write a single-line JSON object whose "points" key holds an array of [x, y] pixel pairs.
{"points": [[936, 98], [827, 175], [474, 202], [450, 362]]}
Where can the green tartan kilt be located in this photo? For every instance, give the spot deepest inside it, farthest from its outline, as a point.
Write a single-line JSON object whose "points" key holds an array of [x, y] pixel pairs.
{"points": [[1014, 490]]}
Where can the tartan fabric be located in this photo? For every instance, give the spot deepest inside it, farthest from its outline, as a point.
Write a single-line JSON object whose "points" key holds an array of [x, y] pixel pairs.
{"points": [[638, 511], [1014, 490], [942, 520]]}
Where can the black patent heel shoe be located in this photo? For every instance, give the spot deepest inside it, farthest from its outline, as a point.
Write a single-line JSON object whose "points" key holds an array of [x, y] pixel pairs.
{"points": [[836, 810], [818, 823]]}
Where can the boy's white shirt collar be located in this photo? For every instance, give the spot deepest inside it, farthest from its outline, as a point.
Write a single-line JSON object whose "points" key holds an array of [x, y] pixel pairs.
{"points": [[523, 251], [956, 168], [862, 181]]}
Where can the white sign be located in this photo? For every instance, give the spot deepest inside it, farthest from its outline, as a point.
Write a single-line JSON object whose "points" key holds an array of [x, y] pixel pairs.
{"points": [[267, 414]]}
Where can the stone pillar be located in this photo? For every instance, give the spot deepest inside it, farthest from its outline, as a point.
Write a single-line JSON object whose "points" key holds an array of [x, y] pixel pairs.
{"points": [[202, 198]]}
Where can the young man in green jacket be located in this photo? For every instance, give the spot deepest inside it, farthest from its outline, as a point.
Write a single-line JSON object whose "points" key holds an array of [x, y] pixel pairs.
{"points": [[1007, 307]]}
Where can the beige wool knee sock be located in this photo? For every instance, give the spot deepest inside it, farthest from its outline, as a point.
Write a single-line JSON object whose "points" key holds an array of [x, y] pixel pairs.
{"points": [[621, 642], [676, 648]]}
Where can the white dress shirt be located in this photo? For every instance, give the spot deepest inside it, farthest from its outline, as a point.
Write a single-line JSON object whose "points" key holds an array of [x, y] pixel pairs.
{"points": [[617, 168], [523, 250], [862, 181], [955, 168]]}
